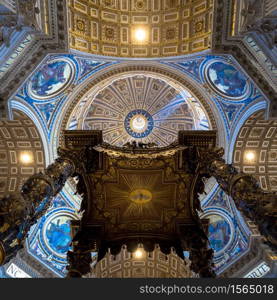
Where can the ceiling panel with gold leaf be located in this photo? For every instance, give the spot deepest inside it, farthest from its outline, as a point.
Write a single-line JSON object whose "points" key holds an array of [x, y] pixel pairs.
{"points": [[108, 27]]}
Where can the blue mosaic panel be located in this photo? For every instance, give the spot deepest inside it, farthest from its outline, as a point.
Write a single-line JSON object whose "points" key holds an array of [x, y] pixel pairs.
{"points": [[227, 80], [51, 79], [88, 65], [57, 234], [219, 232], [54, 233]]}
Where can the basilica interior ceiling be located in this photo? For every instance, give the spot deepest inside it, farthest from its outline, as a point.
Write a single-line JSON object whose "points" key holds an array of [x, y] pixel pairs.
{"points": [[142, 102], [108, 27], [147, 100]]}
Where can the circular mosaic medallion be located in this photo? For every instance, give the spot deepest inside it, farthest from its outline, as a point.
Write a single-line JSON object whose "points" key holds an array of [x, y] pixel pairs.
{"points": [[227, 80], [56, 237], [219, 232], [139, 123], [51, 79]]}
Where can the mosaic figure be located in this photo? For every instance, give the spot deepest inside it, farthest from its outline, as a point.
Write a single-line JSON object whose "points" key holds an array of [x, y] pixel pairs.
{"points": [[219, 232], [227, 80], [192, 67], [58, 234], [88, 65], [50, 78]]}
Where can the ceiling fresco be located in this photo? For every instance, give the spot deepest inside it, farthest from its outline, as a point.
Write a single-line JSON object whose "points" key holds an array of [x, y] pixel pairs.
{"points": [[137, 107], [50, 239], [219, 232], [232, 91], [227, 232]]}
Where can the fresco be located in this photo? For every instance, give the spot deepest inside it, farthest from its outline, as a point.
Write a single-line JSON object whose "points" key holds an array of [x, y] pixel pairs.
{"points": [[227, 80], [51, 79], [57, 234], [219, 232]]}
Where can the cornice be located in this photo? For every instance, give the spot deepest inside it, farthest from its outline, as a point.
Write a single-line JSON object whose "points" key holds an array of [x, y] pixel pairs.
{"points": [[42, 44], [33, 264], [223, 43], [245, 263]]}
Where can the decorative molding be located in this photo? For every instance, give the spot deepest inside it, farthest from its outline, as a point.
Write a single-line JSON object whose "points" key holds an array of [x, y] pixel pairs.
{"points": [[42, 44], [222, 42]]}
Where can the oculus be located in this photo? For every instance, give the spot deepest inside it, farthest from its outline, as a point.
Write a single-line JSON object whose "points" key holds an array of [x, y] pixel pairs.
{"points": [[138, 123], [140, 35]]}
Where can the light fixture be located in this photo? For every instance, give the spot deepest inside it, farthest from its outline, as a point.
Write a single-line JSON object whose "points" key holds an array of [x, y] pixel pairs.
{"points": [[26, 157], [250, 156], [140, 34], [138, 253]]}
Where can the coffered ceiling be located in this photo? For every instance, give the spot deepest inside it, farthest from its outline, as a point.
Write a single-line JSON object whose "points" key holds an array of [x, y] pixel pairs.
{"points": [[108, 27]]}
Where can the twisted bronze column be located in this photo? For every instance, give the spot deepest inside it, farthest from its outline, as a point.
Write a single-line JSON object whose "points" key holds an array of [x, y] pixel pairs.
{"points": [[256, 204], [18, 212]]}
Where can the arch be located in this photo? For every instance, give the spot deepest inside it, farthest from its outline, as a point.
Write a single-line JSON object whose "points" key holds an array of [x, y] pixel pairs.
{"points": [[256, 136], [21, 154], [97, 81], [16, 104]]}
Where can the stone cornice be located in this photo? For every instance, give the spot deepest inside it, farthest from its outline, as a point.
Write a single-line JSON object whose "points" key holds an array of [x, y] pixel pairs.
{"points": [[258, 252], [223, 43], [33, 264], [55, 42]]}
